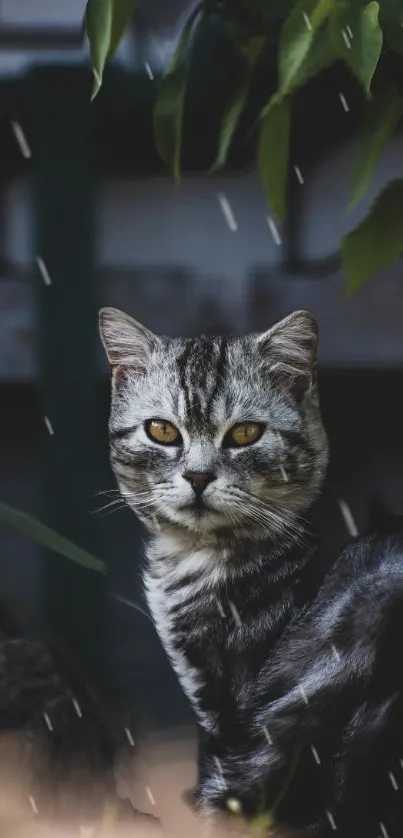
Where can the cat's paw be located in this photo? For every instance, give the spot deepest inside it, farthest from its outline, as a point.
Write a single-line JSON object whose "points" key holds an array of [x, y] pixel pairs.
{"points": [[230, 786]]}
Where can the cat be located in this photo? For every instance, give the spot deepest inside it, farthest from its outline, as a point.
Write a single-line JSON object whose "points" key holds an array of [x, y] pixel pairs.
{"points": [[219, 447]]}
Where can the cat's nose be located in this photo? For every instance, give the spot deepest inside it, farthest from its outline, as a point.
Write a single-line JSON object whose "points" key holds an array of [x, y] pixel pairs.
{"points": [[199, 479]]}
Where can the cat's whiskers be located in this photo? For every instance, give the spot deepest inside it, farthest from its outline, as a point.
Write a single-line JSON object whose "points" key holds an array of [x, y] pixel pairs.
{"points": [[270, 518], [112, 492], [265, 518], [111, 506]]}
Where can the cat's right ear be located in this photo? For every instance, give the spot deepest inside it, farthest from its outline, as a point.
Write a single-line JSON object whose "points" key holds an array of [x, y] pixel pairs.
{"points": [[127, 343]]}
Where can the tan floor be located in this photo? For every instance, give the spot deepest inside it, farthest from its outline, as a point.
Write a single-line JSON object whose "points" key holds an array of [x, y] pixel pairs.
{"points": [[154, 779]]}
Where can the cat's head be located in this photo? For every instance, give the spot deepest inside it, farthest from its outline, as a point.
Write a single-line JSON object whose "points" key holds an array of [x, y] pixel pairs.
{"points": [[214, 434]]}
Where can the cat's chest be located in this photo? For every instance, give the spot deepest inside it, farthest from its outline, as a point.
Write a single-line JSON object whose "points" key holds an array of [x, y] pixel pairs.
{"points": [[185, 609], [189, 620]]}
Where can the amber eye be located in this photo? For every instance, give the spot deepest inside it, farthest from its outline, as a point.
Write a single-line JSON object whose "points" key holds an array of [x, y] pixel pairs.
{"points": [[159, 430], [245, 433]]}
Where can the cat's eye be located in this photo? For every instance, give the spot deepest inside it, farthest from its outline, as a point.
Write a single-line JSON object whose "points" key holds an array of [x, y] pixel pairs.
{"points": [[159, 430], [244, 433]]}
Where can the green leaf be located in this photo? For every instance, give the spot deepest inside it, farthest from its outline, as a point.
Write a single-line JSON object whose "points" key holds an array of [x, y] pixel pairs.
{"points": [[106, 22], [377, 241], [272, 156], [384, 113], [357, 38], [251, 50], [169, 107], [98, 24], [122, 13], [320, 56], [48, 538], [297, 38], [230, 122]]}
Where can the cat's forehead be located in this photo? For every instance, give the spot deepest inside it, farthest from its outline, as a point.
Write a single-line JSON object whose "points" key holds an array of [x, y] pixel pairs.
{"points": [[208, 380]]}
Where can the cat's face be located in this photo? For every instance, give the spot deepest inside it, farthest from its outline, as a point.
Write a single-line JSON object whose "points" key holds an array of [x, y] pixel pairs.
{"points": [[214, 434]]}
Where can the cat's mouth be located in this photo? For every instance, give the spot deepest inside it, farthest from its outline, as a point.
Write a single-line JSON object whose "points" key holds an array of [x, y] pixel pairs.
{"points": [[198, 505]]}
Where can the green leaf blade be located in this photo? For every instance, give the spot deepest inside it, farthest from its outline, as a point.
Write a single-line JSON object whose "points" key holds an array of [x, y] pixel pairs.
{"points": [[362, 49], [229, 124], [169, 107], [320, 56], [272, 156], [122, 13], [384, 113], [297, 37], [98, 24], [49, 538], [251, 50], [377, 241]]}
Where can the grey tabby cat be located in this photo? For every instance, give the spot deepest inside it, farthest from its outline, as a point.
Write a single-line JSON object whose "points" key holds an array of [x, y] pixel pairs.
{"points": [[218, 446]]}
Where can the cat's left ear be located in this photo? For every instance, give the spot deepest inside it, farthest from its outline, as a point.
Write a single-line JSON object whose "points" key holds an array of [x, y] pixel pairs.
{"points": [[289, 350], [127, 343]]}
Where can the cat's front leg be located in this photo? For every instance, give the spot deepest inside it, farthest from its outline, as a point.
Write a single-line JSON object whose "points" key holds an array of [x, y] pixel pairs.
{"points": [[292, 723], [234, 768]]}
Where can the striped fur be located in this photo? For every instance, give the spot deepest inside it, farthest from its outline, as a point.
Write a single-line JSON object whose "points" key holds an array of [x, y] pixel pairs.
{"points": [[221, 585], [267, 665]]}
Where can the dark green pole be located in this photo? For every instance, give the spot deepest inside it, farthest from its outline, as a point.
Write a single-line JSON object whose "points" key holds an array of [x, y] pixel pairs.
{"points": [[68, 349]]}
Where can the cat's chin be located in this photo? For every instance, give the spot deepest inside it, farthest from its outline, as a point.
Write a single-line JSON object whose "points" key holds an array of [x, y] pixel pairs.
{"points": [[200, 520]]}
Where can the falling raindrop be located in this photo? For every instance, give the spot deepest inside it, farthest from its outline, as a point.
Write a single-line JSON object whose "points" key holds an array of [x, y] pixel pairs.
{"points": [[48, 722], [331, 819], [227, 211], [304, 695], [392, 779], [149, 71], [48, 425], [346, 38], [235, 613], [344, 102], [351, 526], [220, 609], [273, 229], [77, 708], [150, 795], [315, 755], [33, 804], [44, 271], [297, 171], [267, 735], [129, 737], [21, 140]]}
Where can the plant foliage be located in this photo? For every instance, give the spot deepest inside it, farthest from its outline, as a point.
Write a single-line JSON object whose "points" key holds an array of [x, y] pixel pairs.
{"points": [[49, 538], [313, 35]]}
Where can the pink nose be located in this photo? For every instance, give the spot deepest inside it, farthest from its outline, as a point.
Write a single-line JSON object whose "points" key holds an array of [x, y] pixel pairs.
{"points": [[199, 479]]}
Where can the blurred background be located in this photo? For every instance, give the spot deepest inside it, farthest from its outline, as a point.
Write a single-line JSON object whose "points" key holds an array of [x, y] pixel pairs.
{"points": [[90, 217]]}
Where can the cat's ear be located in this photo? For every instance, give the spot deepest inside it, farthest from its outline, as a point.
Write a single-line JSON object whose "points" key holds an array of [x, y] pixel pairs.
{"points": [[289, 349], [126, 342]]}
